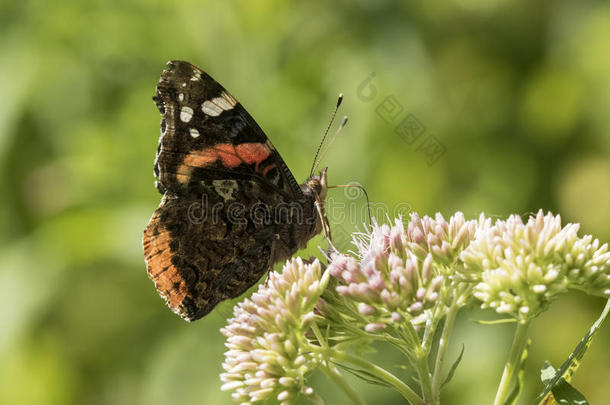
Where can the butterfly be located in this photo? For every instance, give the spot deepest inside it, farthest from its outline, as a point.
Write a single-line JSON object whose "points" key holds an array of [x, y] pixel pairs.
{"points": [[230, 207]]}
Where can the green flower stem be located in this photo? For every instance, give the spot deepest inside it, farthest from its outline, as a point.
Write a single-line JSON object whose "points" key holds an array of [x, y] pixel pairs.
{"points": [[423, 371], [333, 373], [431, 326], [338, 379], [380, 373], [430, 331], [512, 363], [442, 349], [318, 335], [420, 361]]}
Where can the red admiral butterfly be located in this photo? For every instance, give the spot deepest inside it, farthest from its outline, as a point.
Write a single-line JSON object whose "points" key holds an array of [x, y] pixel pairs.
{"points": [[231, 208]]}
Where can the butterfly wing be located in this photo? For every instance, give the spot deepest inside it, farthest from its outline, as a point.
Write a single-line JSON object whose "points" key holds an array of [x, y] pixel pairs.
{"points": [[206, 133], [202, 248], [230, 206]]}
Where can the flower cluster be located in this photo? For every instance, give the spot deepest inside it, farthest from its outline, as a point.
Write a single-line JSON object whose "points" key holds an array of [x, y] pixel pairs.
{"points": [[401, 282], [444, 240], [522, 267], [401, 273], [268, 352], [588, 266]]}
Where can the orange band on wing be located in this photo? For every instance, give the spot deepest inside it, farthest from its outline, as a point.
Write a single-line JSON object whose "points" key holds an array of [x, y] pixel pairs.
{"points": [[158, 255], [253, 152], [230, 155]]}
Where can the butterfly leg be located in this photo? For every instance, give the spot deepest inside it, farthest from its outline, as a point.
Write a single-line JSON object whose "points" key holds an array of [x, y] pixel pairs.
{"points": [[325, 225], [271, 258]]}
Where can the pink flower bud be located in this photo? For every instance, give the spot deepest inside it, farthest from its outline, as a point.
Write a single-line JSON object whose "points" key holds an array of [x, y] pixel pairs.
{"points": [[374, 327], [365, 309]]}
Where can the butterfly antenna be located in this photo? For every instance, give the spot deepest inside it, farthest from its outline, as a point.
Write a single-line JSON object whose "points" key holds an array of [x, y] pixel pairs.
{"points": [[366, 195], [327, 148], [332, 119]]}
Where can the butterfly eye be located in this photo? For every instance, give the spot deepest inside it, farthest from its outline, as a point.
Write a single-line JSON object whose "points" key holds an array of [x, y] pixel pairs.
{"points": [[315, 185]]}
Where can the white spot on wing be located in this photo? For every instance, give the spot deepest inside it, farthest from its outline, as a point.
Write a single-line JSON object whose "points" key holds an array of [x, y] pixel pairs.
{"points": [[186, 113], [217, 105], [210, 108], [196, 76], [181, 97], [225, 101], [194, 133]]}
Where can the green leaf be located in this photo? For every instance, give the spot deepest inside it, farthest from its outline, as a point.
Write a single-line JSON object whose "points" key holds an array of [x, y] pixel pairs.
{"points": [[494, 322], [566, 394], [573, 361], [363, 375], [453, 368], [514, 395], [562, 393]]}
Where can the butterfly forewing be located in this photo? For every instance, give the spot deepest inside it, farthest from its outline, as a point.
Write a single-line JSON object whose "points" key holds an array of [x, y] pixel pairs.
{"points": [[204, 129]]}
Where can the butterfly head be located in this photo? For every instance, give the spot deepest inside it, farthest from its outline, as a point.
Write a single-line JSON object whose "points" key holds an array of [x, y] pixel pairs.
{"points": [[318, 185], [317, 188]]}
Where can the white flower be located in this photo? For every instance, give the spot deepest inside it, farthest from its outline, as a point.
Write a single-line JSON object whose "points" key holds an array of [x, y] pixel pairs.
{"points": [[401, 274], [444, 240], [521, 267], [268, 352]]}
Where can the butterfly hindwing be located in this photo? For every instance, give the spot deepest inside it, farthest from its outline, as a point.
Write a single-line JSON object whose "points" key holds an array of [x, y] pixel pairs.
{"points": [[214, 243]]}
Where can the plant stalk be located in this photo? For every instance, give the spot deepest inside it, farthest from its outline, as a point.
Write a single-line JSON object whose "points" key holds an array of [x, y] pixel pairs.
{"points": [[512, 363], [423, 371], [420, 362], [443, 344]]}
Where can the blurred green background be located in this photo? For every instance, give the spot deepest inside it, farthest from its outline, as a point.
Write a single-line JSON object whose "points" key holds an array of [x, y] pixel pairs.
{"points": [[517, 94]]}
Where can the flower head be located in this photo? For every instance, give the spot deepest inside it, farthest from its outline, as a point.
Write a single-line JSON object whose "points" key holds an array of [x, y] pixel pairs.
{"points": [[521, 267], [444, 240], [268, 352], [401, 274]]}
